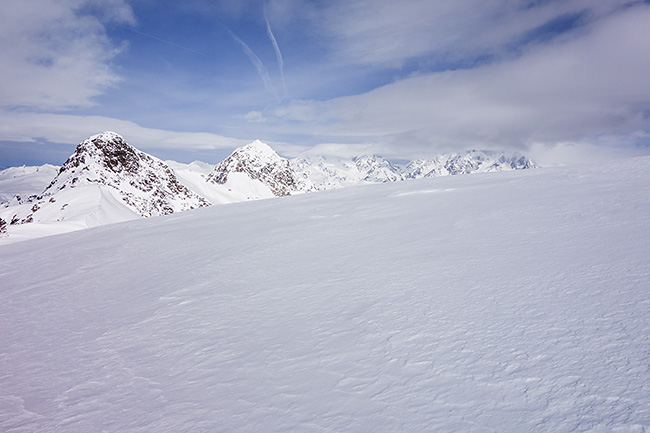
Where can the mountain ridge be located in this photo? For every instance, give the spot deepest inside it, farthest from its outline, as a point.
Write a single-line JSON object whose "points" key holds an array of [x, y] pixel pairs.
{"points": [[107, 180]]}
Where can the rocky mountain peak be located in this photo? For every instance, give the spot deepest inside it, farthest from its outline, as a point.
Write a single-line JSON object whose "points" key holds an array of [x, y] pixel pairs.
{"points": [[144, 183], [259, 162]]}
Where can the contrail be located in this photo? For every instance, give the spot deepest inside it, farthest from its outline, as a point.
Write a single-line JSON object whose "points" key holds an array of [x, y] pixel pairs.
{"points": [[257, 62], [278, 53]]}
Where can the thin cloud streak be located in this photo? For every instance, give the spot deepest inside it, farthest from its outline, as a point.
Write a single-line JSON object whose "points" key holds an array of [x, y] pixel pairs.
{"points": [[259, 65], [278, 54]]}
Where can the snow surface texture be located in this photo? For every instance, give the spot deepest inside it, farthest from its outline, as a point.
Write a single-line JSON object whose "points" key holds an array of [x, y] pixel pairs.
{"points": [[499, 302]]}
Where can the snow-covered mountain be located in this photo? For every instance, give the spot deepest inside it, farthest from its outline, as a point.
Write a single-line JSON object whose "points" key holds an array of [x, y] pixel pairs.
{"points": [[514, 302], [146, 184], [258, 164], [328, 172], [473, 161], [106, 180]]}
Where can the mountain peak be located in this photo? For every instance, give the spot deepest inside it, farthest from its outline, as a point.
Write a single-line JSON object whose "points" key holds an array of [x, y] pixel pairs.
{"points": [[259, 162], [144, 183], [109, 150]]}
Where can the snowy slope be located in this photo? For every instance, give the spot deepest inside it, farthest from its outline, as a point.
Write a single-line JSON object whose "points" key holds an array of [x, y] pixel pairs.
{"points": [[25, 181], [195, 177], [499, 302]]}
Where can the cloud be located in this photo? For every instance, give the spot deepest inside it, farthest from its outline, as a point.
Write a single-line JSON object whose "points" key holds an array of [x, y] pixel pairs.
{"points": [[278, 53], [56, 55], [384, 32], [255, 117], [62, 128], [571, 89]]}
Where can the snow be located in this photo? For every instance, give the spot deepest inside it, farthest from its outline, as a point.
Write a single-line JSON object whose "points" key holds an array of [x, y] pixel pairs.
{"points": [[500, 302], [25, 181]]}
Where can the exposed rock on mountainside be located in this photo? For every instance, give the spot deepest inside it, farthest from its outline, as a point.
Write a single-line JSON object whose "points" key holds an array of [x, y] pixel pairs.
{"points": [[259, 162]]}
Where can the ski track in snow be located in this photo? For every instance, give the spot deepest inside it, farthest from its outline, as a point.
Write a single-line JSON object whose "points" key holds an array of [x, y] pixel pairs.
{"points": [[504, 302]]}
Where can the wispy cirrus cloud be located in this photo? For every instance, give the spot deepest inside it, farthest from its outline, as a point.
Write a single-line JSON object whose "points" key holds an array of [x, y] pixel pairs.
{"points": [[278, 53], [262, 71]]}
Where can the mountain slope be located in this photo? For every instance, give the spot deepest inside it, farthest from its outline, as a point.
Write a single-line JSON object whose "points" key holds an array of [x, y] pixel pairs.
{"points": [[24, 181], [509, 302]]}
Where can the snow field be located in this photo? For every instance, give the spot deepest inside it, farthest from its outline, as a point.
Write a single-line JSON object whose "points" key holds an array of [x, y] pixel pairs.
{"points": [[501, 302]]}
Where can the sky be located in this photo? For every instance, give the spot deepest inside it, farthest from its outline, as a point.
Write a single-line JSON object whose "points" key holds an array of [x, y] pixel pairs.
{"points": [[561, 80]]}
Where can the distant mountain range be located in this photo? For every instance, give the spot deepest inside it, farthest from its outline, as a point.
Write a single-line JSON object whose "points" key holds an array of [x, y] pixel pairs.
{"points": [[107, 180]]}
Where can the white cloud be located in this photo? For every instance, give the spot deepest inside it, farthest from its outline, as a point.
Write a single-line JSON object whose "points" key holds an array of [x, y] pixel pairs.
{"points": [[62, 128], [255, 117], [386, 32], [573, 89], [55, 56]]}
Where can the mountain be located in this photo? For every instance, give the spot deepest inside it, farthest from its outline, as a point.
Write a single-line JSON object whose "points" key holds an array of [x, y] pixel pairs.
{"points": [[473, 161], [107, 180], [147, 185], [516, 302], [259, 165], [327, 172]]}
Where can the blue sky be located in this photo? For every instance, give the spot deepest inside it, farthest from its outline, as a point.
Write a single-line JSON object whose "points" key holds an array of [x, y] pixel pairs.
{"points": [[559, 79]]}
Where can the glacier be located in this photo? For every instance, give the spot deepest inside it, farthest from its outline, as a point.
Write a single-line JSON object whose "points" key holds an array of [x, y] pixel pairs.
{"points": [[512, 301]]}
